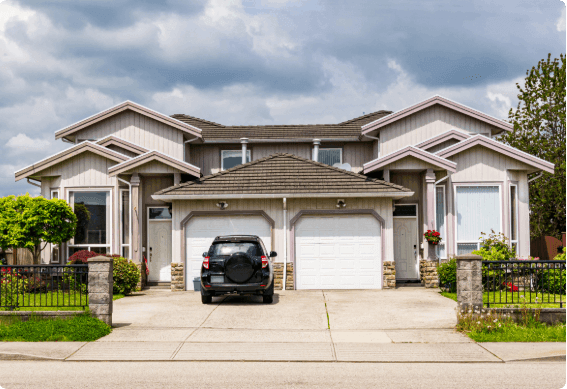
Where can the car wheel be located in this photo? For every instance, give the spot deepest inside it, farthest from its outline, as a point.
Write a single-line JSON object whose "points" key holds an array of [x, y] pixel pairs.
{"points": [[268, 299], [205, 298]]}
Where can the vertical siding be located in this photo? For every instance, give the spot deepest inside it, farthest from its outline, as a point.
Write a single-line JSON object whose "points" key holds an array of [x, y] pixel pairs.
{"points": [[86, 169], [357, 154]]}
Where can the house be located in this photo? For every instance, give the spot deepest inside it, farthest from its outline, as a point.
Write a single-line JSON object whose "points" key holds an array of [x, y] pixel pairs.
{"points": [[339, 203]]}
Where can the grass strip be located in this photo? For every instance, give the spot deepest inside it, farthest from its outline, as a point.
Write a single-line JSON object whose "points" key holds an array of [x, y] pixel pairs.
{"points": [[519, 333]]}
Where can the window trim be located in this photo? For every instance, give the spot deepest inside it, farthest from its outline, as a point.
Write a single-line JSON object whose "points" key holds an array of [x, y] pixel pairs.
{"points": [[517, 240], [330, 148], [444, 233], [121, 226], [455, 215], [248, 152], [54, 247]]}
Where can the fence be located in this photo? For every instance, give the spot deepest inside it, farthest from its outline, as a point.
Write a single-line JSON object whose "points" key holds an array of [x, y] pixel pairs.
{"points": [[44, 287]]}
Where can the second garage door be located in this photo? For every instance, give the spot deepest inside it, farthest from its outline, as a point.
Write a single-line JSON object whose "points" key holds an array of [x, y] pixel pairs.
{"points": [[201, 231], [338, 252]]}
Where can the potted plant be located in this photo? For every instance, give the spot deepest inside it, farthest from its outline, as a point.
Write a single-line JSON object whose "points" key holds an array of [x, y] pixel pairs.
{"points": [[433, 237]]}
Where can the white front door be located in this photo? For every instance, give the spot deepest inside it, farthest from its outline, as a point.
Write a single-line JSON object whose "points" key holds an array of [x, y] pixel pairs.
{"points": [[338, 252], [159, 244], [405, 248], [201, 230]]}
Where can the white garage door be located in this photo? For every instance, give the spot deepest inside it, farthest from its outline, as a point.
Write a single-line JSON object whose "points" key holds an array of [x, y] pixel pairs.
{"points": [[338, 252], [201, 231]]}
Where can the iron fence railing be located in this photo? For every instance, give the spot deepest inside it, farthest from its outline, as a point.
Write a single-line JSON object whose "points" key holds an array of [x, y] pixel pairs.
{"points": [[523, 282], [43, 286]]}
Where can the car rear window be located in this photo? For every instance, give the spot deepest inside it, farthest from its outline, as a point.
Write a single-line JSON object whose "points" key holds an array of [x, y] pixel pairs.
{"points": [[228, 248]]}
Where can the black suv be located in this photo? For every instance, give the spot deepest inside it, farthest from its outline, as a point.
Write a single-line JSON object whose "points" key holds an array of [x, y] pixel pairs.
{"points": [[237, 264]]}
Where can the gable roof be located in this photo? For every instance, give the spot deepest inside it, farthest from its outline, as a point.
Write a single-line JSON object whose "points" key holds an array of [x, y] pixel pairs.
{"points": [[479, 140], [116, 141], [282, 175], [62, 156], [128, 105], [430, 102], [349, 130], [410, 151], [150, 156], [443, 137]]}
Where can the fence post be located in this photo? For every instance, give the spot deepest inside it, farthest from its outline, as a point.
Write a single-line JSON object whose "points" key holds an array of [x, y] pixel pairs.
{"points": [[469, 281], [100, 288]]}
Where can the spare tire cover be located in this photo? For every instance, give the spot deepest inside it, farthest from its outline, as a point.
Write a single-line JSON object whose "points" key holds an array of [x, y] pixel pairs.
{"points": [[239, 267]]}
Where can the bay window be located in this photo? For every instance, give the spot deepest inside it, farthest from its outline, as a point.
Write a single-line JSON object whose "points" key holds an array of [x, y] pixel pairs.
{"points": [[478, 209], [94, 231]]}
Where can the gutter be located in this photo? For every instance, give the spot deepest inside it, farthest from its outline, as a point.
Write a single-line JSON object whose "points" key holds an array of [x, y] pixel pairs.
{"points": [[220, 196], [292, 140], [34, 183]]}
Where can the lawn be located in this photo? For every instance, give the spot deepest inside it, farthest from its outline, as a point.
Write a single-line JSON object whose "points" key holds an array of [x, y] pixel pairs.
{"points": [[519, 333], [517, 301], [55, 301]]}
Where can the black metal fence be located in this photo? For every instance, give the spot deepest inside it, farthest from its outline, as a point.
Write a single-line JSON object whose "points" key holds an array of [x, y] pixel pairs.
{"points": [[43, 287], [523, 282]]}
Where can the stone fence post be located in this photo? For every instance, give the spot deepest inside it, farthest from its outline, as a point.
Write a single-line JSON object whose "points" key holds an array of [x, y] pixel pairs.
{"points": [[469, 281], [100, 288]]}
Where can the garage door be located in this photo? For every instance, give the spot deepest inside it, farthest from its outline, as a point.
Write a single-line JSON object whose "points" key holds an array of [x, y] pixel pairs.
{"points": [[201, 231], [338, 252]]}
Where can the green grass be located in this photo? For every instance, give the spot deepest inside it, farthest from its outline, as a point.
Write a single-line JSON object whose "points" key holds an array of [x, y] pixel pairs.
{"points": [[518, 333], [81, 328], [52, 301], [501, 296], [117, 296]]}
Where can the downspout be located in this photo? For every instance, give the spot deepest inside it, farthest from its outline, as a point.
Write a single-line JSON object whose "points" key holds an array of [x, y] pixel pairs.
{"points": [[536, 177], [285, 243], [184, 144], [244, 142], [33, 183], [442, 179], [129, 214]]}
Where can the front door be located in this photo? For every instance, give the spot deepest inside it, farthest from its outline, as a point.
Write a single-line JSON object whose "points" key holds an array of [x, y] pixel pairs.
{"points": [[159, 244], [405, 248]]}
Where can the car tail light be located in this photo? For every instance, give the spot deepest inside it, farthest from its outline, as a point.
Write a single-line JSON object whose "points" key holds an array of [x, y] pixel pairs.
{"points": [[206, 262], [264, 261]]}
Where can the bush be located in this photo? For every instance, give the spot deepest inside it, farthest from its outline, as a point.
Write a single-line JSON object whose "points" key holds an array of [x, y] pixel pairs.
{"points": [[447, 273], [11, 287], [81, 257], [126, 275], [495, 247], [553, 280]]}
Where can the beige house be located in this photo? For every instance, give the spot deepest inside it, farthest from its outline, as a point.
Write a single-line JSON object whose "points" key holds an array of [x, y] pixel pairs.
{"points": [[339, 203]]}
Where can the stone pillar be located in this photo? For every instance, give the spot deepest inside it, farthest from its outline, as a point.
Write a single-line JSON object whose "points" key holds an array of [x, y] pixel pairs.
{"points": [[428, 273], [430, 206], [389, 274], [100, 288], [278, 276], [469, 281], [177, 277]]}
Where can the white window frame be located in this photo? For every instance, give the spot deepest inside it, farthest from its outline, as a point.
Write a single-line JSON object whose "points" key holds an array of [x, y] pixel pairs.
{"points": [[248, 156], [443, 233], [55, 258], [332, 148], [516, 241], [109, 233], [121, 227], [472, 184]]}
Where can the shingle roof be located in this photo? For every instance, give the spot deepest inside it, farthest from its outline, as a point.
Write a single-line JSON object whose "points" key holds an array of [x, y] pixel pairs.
{"points": [[345, 130], [283, 173]]}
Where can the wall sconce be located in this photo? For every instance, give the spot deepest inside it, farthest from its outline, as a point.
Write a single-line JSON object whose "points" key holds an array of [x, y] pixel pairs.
{"points": [[222, 205], [341, 203]]}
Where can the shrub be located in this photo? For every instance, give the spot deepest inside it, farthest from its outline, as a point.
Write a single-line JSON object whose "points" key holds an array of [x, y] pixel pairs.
{"points": [[495, 247], [11, 287], [448, 274], [553, 280], [126, 275], [81, 256]]}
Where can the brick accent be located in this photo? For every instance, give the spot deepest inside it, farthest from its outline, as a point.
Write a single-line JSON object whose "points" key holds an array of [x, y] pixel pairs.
{"points": [[100, 288], [177, 277], [428, 273], [389, 275], [278, 276]]}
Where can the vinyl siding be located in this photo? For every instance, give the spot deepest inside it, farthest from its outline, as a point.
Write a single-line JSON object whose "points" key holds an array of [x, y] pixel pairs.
{"points": [[86, 169]]}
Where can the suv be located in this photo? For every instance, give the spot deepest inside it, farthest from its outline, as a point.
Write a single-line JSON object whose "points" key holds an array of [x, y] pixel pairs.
{"points": [[237, 264]]}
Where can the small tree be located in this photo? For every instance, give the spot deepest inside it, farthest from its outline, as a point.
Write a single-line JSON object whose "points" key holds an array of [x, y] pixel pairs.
{"points": [[33, 222]]}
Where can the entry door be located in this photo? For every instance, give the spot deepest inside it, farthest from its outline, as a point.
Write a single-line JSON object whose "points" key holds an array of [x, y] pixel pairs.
{"points": [[405, 248], [159, 244]]}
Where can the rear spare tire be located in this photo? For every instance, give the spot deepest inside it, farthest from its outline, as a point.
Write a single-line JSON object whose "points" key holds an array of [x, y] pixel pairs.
{"points": [[239, 267]]}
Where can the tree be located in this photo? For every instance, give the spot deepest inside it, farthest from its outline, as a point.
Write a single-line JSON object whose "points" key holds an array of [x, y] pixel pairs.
{"points": [[539, 129], [33, 222]]}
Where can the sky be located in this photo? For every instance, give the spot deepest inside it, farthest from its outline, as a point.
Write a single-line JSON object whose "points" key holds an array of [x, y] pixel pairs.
{"points": [[240, 62]]}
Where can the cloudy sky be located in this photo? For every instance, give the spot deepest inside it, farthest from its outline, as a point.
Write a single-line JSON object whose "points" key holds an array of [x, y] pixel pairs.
{"points": [[256, 61]]}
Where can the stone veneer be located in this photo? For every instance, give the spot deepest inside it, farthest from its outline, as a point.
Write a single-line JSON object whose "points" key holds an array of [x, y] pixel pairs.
{"points": [[100, 288], [389, 275], [428, 273], [278, 276], [469, 281], [177, 277]]}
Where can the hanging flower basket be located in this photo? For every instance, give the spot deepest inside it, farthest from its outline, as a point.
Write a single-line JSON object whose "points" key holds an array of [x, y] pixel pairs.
{"points": [[433, 237]]}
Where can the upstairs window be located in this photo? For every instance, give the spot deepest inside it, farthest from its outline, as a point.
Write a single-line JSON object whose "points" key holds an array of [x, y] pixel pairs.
{"points": [[232, 158], [331, 157]]}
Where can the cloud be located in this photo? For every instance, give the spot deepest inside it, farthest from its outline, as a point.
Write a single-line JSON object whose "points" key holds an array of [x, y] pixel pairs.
{"points": [[560, 25], [22, 143]]}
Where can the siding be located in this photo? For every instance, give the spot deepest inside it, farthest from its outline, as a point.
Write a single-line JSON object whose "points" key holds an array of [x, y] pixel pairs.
{"points": [[442, 146], [86, 169], [425, 124], [154, 167], [138, 129]]}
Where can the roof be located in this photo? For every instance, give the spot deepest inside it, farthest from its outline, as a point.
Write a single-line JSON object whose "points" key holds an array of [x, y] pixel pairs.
{"points": [[349, 130], [441, 138], [479, 140], [410, 151], [128, 105], [122, 143], [154, 156], [80, 148], [282, 175], [381, 122]]}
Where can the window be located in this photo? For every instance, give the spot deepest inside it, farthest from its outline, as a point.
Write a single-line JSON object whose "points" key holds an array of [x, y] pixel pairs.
{"points": [[232, 158], [405, 210], [331, 157], [159, 213], [125, 223], [478, 210], [93, 221], [440, 221], [55, 248], [514, 216]]}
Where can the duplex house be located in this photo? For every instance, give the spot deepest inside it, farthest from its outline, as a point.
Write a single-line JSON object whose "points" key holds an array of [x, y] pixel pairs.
{"points": [[339, 203]]}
